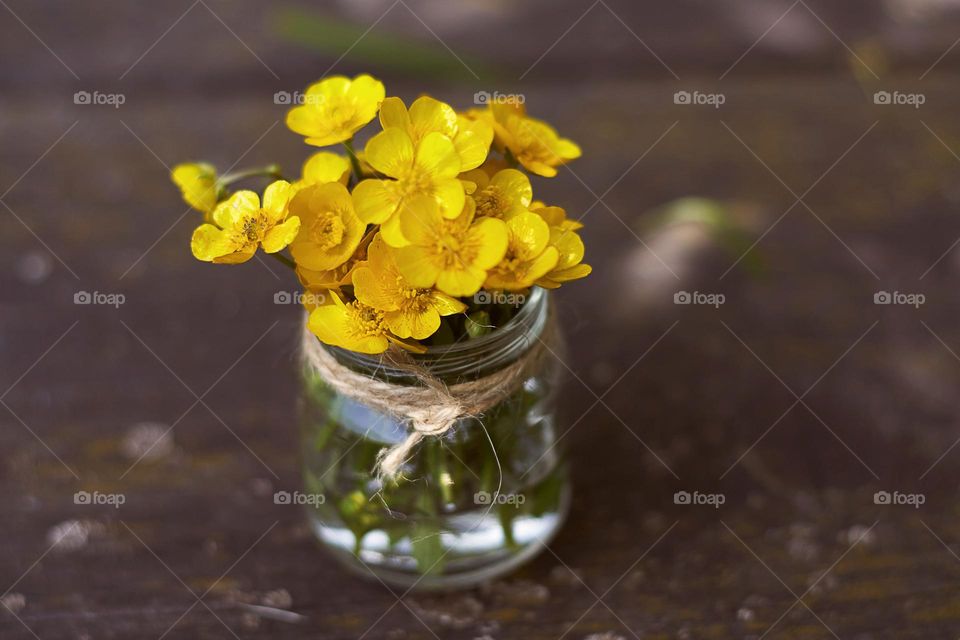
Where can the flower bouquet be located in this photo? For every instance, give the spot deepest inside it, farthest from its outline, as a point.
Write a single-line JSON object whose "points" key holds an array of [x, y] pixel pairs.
{"points": [[429, 347]]}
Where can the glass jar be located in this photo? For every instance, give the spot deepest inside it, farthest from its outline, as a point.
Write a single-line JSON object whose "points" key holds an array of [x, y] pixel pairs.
{"points": [[468, 505]]}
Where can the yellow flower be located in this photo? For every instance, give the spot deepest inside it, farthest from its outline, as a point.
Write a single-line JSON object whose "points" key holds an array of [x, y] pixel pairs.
{"points": [[529, 255], [506, 194], [198, 184], [329, 229], [427, 168], [321, 283], [555, 216], [453, 254], [322, 167], [534, 143], [410, 312], [354, 326], [471, 138], [569, 265], [241, 224], [335, 108]]}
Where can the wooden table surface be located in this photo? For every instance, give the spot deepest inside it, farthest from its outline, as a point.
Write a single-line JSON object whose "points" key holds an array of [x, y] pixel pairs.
{"points": [[796, 400]]}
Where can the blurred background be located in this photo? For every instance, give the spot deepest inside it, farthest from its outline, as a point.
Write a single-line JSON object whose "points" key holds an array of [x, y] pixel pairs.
{"points": [[770, 196]]}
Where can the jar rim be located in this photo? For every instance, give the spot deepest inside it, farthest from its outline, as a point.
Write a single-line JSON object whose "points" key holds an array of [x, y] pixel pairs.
{"points": [[466, 358]]}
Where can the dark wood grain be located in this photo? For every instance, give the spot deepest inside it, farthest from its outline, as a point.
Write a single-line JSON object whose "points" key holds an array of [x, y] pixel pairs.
{"points": [[827, 397]]}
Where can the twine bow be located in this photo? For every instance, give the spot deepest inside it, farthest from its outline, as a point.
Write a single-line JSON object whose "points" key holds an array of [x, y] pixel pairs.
{"points": [[431, 408]]}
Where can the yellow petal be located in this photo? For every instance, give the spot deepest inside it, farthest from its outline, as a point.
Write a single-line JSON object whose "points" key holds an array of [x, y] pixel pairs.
{"points": [[281, 235], [450, 196], [490, 235], [366, 93], [472, 142], [329, 87], [567, 149], [234, 258], [420, 220], [392, 232], [309, 121], [232, 211], [437, 156], [391, 152], [375, 200], [569, 245], [370, 290], [197, 182], [447, 305], [542, 264], [428, 115], [326, 167], [393, 113], [418, 266], [461, 282], [529, 234], [209, 242], [514, 185], [537, 167], [412, 324], [275, 199]]}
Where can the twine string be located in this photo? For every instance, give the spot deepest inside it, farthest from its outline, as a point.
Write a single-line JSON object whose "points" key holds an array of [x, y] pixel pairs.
{"points": [[430, 407]]}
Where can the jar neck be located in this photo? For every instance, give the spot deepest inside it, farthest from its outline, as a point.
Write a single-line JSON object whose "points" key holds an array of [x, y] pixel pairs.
{"points": [[469, 358]]}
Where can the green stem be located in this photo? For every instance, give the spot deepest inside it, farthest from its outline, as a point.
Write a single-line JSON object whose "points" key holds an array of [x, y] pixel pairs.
{"points": [[284, 259], [271, 171], [354, 160]]}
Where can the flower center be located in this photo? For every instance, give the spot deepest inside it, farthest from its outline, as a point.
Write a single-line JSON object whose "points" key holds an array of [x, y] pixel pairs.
{"points": [[252, 229], [327, 230], [366, 321], [453, 251], [489, 202], [415, 182]]}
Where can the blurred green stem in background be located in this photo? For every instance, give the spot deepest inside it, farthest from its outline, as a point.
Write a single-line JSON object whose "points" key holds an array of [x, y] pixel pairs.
{"points": [[332, 36]]}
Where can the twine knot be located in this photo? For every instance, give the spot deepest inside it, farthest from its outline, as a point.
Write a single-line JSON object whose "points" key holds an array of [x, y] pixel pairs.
{"points": [[430, 408]]}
